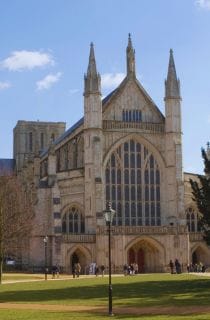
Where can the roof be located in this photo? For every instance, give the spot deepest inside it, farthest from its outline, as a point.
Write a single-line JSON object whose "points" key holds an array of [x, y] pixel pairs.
{"points": [[115, 93], [105, 102], [7, 166]]}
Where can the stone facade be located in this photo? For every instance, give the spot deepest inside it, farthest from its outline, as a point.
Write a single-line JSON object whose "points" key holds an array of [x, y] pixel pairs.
{"points": [[124, 151]]}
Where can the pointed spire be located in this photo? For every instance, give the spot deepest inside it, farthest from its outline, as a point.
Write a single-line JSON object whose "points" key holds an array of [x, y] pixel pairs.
{"points": [[92, 62], [172, 84], [130, 53], [92, 78]]}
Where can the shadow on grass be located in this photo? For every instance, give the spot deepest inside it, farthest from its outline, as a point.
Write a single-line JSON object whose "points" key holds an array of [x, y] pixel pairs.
{"points": [[136, 293]]}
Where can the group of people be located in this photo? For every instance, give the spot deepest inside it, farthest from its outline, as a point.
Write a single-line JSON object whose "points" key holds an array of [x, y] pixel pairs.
{"points": [[175, 267], [99, 269], [196, 267], [130, 269]]}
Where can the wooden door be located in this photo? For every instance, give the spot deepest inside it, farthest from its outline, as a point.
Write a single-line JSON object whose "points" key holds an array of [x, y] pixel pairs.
{"points": [[140, 260]]}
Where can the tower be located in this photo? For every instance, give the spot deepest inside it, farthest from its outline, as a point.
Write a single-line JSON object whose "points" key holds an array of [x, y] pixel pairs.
{"points": [[173, 145], [92, 143], [31, 137]]}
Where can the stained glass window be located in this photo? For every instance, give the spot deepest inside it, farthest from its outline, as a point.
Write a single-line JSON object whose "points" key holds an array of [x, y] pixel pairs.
{"points": [[134, 187]]}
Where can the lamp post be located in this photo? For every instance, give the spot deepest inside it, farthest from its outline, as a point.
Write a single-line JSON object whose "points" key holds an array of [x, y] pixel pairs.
{"points": [[108, 216], [45, 256]]}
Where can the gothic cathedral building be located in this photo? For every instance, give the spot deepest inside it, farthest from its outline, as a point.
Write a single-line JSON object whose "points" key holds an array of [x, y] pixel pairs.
{"points": [[124, 151]]}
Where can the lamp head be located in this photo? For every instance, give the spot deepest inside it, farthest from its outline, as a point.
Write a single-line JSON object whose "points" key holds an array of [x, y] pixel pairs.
{"points": [[109, 214], [45, 239]]}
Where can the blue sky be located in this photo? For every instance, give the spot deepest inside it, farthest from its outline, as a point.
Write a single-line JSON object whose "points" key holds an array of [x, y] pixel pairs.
{"points": [[44, 54]]}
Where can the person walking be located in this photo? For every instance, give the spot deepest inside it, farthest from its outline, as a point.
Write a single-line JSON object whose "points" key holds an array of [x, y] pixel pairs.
{"points": [[102, 270], [171, 265], [78, 269]]}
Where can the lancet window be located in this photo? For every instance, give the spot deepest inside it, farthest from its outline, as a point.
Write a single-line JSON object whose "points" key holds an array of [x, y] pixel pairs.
{"points": [[131, 115], [30, 142], [192, 220], [73, 221], [70, 156], [132, 178]]}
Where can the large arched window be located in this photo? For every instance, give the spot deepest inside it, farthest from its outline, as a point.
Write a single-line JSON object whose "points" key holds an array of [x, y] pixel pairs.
{"points": [[132, 180], [192, 220], [73, 221]]}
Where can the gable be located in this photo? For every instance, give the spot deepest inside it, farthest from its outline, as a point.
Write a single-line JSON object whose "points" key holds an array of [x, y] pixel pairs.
{"points": [[131, 99]]}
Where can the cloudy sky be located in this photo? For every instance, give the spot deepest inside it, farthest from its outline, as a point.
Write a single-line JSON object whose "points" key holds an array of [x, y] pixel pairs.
{"points": [[44, 54]]}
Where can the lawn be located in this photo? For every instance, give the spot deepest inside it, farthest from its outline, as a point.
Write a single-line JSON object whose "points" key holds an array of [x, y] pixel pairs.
{"points": [[131, 292]]}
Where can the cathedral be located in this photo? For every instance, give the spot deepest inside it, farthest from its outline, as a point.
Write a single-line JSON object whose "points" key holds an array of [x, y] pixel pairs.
{"points": [[125, 152]]}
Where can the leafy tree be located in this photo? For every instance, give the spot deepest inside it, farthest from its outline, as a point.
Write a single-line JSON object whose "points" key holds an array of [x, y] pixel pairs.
{"points": [[201, 195], [16, 212]]}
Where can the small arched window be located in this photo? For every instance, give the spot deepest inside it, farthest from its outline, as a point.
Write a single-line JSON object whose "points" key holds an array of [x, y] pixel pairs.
{"points": [[73, 221], [192, 220]]}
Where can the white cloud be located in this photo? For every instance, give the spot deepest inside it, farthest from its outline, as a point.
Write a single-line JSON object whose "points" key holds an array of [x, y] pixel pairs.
{"points": [[205, 4], [4, 85], [20, 60], [48, 81], [73, 91], [111, 80]]}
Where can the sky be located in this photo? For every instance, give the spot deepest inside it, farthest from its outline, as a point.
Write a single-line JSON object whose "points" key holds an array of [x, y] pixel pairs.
{"points": [[44, 50]]}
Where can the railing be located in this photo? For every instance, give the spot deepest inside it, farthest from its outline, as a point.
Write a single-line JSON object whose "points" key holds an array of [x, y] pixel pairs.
{"points": [[129, 230], [88, 238], [197, 236], [144, 126]]}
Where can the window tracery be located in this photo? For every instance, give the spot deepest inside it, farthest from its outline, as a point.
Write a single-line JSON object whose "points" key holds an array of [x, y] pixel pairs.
{"points": [[192, 220], [132, 180], [73, 221]]}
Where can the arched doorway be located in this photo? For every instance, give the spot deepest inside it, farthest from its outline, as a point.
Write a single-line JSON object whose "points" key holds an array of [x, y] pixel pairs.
{"points": [[147, 254], [78, 256], [200, 254]]}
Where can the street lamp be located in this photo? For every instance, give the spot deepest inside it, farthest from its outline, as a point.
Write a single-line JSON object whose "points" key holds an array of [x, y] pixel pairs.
{"points": [[108, 216], [45, 256]]}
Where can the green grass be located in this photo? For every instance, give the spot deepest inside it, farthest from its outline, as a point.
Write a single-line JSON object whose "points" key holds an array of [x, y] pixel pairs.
{"points": [[47, 315], [135, 291]]}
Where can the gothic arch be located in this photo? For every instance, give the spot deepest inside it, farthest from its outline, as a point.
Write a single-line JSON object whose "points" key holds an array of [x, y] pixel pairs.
{"points": [[200, 253], [134, 182], [141, 140], [84, 257], [73, 219], [151, 240], [147, 252], [71, 204]]}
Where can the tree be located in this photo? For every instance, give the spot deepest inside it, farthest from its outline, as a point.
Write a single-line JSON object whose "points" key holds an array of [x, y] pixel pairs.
{"points": [[16, 212], [201, 195]]}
